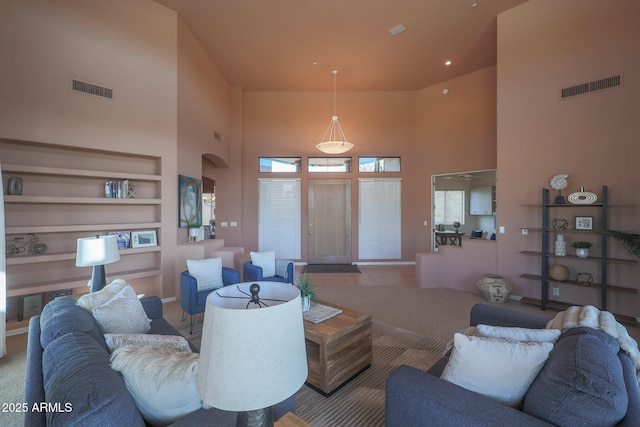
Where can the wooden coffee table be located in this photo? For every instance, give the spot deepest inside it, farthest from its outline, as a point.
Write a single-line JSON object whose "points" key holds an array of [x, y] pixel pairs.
{"points": [[338, 349]]}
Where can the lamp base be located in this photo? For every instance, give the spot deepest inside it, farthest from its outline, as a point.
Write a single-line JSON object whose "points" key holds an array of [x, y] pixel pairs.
{"points": [[258, 418], [98, 278]]}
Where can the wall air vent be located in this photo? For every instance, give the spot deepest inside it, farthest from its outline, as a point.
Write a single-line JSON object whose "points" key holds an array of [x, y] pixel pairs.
{"points": [[593, 86], [91, 89]]}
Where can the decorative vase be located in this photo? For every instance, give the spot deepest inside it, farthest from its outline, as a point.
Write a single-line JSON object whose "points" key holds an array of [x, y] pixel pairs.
{"points": [[14, 186], [494, 288], [582, 197], [582, 252], [306, 303], [193, 234], [560, 246]]}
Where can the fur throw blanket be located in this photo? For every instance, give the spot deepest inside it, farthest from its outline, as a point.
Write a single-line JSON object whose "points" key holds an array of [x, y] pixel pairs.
{"points": [[592, 317]]}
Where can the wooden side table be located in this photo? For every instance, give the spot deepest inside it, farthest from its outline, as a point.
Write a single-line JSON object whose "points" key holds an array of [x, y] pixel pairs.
{"points": [[338, 349], [290, 420]]}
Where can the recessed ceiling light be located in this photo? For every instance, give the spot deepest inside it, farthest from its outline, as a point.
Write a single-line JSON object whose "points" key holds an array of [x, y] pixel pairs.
{"points": [[445, 91], [397, 29], [448, 62], [474, 4]]}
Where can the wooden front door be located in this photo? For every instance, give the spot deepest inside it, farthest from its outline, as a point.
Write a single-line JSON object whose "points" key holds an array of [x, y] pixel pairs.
{"points": [[329, 221]]}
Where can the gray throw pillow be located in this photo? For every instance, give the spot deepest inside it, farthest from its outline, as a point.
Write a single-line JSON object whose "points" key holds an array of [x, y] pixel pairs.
{"points": [[581, 383]]}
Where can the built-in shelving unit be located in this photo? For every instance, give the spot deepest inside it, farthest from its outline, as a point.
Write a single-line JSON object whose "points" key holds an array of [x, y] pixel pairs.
{"points": [[63, 199], [601, 257]]}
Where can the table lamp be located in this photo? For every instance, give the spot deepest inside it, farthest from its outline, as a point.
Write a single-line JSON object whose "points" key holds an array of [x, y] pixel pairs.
{"points": [[96, 252], [253, 352]]}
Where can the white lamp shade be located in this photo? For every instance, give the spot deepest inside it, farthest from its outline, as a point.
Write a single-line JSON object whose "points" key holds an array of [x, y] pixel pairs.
{"points": [[256, 357], [97, 250]]}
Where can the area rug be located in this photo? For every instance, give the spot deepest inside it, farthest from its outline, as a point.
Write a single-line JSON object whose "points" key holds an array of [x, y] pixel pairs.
{"points": [[330, 268], [361, 401]]}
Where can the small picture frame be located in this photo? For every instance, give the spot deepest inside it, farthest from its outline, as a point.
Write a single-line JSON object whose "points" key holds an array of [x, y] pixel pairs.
{"points": [[144, 239], [584, 223]]}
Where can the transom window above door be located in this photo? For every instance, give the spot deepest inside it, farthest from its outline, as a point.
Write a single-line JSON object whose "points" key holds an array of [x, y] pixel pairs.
{"points": [[379, 164], [280, 164], [329, 164]]}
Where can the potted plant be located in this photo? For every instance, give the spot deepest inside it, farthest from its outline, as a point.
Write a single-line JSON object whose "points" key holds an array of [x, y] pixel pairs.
{"points": [[630, 241], [307, 292], [194, 231], [582, 248]]}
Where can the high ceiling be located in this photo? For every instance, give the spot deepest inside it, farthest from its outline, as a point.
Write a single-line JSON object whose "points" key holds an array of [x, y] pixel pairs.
{"points": [[291, 45]]}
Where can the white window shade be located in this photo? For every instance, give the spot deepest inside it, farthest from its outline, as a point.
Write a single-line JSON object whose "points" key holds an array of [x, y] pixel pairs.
{"points": [[379, 219], [279, 221]]}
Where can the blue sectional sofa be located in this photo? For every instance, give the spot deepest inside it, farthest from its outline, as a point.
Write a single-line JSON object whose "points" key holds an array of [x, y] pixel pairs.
{"points": [[70, 379], [586, 376]]}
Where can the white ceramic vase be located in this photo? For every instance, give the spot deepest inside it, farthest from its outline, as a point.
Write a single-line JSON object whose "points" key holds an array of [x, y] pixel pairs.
{"points": [[560, 246], [582, 252], [306, 303]]}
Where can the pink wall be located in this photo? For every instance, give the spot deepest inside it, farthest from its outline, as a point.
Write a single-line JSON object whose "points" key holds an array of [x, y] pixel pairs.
{"points": [[544, 46], [291, 123], [432, 134], [130, 46], [139, 46], [457, 267]]}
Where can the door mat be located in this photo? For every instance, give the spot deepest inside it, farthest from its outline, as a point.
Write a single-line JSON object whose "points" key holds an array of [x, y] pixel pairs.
{"points": [[330, 268]]}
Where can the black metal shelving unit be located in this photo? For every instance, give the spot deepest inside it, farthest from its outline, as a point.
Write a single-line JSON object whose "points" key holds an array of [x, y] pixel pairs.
{"points": [[546, 206]]}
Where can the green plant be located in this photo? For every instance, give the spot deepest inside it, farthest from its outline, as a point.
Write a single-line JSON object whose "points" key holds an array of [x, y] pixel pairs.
{"points": [[630, 241], [306, 288], [581, 245]]}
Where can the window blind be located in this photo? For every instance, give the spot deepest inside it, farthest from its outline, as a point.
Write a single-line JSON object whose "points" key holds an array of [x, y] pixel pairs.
{"points": [[279, 214], [379, 218]]}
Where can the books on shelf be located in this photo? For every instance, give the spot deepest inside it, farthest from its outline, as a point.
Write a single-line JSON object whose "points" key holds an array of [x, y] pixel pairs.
{"points": [[117, 189]]}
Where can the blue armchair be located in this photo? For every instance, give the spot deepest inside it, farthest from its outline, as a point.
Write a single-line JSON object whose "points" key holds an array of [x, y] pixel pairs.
{"points": [[253, 273], [192, 301]]}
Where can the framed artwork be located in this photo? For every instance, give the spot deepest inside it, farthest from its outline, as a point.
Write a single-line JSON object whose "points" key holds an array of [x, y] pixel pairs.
{"points": [[189, 201], [584, 223], [143, 239], [123, 237]]}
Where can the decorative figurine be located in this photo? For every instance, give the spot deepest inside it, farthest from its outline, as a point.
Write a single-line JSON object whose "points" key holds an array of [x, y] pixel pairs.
{"points": [[559, 182]]}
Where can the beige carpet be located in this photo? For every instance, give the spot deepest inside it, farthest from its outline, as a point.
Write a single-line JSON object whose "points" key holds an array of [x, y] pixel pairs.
{"points": [[361, 401], [12, 378]]}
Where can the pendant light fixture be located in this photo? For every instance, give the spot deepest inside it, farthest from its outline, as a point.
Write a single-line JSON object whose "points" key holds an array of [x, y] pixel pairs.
{"points": [[334, 141]]}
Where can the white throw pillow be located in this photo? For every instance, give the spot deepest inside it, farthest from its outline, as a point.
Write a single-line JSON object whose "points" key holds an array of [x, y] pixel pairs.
{"points": [[115, 341], [519, 334], [208, 273], [497, 368], [266, 261], [123, 314], [162, 381], [96, 299]]}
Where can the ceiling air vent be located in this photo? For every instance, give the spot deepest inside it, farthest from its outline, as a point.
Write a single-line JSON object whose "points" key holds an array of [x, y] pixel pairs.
{"points": [[91, 89], [594, 86]]}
